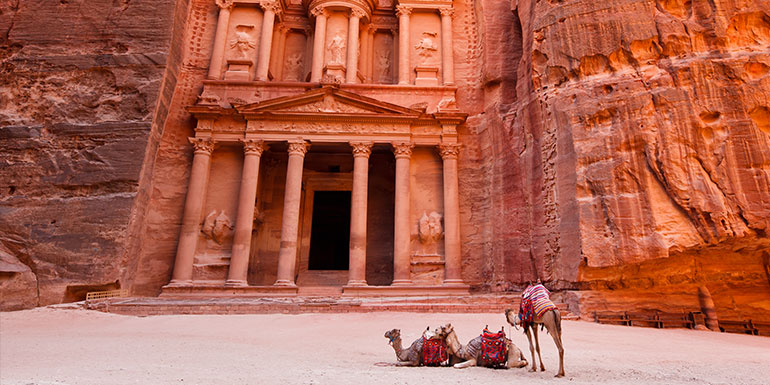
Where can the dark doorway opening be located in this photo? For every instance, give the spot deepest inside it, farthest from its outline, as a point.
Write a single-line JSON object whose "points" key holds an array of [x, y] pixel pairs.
{"points": [[330, 234]]}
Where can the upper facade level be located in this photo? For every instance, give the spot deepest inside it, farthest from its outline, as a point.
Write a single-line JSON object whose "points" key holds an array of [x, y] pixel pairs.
{"points": [[348, 41]]}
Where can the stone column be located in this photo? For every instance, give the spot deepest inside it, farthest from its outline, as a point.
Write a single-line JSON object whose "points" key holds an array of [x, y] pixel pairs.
{"points": [[358, 211], [239, 261], [447, 62], [452, 268], [191, 220], [271, 8], [319, 44], [218, 52], [365, 53], [280, 52], [287, 256], [351, 74], [402, 233], [404, 13]]}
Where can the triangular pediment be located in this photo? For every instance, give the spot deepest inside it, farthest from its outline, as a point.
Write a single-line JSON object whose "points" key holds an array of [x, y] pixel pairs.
{"points": [[328, 101]]}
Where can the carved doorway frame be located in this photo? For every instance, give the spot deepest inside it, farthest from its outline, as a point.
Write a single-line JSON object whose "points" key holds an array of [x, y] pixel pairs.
{"points": [[318, 181]]}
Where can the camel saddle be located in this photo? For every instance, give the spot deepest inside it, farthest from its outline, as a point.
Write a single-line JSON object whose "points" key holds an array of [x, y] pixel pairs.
{"points": [[494, 349], [434, 352]]}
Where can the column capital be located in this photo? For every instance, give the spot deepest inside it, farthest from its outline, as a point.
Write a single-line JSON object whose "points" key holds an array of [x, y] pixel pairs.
{"points": [[447, 11], [362, 149], [298, 147], [253, 146], [271, 5], [355, 12], [402, 10], [203, 145], [225, 4], [403, 149], [449, 150], [319, 11]]}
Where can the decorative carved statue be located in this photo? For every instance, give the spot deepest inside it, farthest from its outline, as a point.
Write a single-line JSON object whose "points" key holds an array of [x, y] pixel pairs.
{"points": [[216, 227], [430, 228], [294, 67], [243, 41], [426, 47], [337, 49], [383, 61]]}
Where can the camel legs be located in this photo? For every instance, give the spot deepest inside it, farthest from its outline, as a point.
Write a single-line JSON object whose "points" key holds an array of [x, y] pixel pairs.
{"points": [[552, 321], [537, 347], [531, 348], [515, 357], [466, 364]]}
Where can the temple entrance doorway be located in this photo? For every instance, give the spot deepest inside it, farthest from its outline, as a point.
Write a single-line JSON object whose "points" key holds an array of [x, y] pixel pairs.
{"points": [[330, 231]]}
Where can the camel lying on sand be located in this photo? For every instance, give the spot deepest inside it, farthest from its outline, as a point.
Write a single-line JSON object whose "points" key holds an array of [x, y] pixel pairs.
{"points": [[411, 356], [470, 354]]}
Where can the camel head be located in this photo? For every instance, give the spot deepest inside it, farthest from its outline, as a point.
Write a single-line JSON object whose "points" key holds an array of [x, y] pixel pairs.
{"points": [[512, 318], [393, 334], [448, 333]]}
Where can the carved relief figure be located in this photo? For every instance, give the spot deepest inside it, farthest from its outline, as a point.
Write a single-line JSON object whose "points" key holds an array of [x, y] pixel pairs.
{"points": [[243, 42], [430, 228], [383, 63], [294, 67], [216, 227], [337, 49], [426, 48]]}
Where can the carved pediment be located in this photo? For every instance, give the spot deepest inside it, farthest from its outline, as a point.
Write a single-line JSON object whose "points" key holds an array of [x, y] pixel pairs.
{"points": [[327, 102]]}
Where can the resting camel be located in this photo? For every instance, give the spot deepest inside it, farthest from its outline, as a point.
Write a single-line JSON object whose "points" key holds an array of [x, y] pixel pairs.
{"points": [[470, 354], [413, 355], [551, 319]]}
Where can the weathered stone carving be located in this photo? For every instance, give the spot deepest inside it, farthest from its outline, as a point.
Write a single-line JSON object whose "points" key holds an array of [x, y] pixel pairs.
{"points": [[225, 4], [253, 146], [202, 145], [243, 42], [426, 48], [403, 10], [362, 148], [403, 149], [217, 227], [430, 229], [294, 67], [336, 49], [383, 64], [298, 147], [449, 150], [208, 98]]}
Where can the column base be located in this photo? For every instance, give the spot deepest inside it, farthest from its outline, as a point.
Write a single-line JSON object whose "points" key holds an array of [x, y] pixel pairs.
{"points": [[401, 282], [235, 283], [180, 283], [454, 282], [284, 282], [358, 282]]}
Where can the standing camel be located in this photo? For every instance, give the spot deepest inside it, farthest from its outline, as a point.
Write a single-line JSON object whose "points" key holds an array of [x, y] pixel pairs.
{"points": [[471, 353], [542, 312], [411, 356]]}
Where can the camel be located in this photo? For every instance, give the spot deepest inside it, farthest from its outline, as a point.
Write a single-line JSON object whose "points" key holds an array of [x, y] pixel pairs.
{"points": [[413, 355], [470, 354], [551, 319]]}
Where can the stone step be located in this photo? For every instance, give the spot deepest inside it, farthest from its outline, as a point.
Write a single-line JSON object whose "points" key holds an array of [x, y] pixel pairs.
{"points": [[320, 291], [306, 304]]}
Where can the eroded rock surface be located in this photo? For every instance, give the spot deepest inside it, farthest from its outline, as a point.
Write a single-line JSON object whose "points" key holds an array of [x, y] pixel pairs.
{"points": [[79, 82]]}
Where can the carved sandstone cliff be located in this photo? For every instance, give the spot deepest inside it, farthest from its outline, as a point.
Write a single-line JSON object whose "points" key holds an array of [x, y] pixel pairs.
{"points": [[634, 154], [619, 145]]}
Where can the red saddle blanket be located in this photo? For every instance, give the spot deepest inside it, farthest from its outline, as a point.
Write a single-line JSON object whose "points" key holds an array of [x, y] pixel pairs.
{"points": [[434, 352], [494, 349]]}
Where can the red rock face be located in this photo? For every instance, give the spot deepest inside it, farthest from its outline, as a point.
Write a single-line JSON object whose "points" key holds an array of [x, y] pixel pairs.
{"points": [[618, 147], [634, 156], [78, 86]]}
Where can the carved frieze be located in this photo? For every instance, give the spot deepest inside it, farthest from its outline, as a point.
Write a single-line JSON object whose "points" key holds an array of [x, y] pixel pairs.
{"points": [[334, 128]]}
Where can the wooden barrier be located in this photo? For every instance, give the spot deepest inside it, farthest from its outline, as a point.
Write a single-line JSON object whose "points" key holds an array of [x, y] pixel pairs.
{"points": [[106, 294]]}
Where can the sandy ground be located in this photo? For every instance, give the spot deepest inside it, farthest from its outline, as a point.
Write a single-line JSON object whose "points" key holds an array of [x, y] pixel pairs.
{"points": [[55, 346]]}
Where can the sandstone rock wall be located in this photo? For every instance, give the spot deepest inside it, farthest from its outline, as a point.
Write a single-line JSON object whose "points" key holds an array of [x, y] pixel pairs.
{"points": [[638, 147], [79, 82]]}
